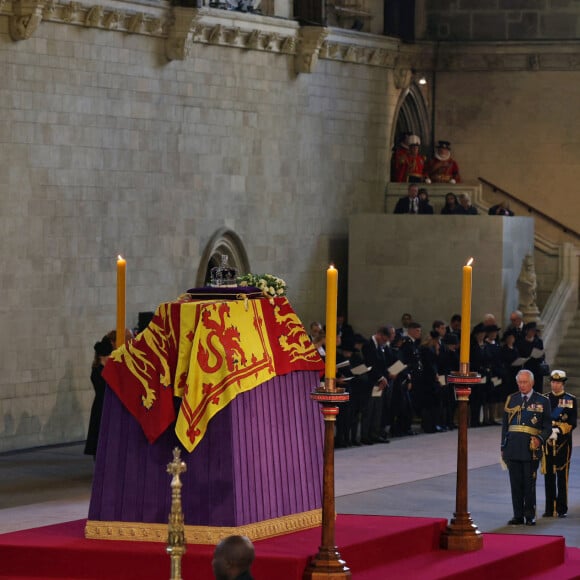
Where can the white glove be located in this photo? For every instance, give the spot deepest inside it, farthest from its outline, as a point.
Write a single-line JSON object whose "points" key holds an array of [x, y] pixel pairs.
{"points": [[554, 434], [427, 180], [452, 181]]}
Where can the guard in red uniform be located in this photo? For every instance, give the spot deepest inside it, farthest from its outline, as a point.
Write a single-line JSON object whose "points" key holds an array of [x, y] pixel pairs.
{"points": [[442, 168], [412, 168], [399, 158]]}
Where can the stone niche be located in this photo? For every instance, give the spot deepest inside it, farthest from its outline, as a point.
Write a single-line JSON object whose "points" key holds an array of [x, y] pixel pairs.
{"points": [[412, 263]]}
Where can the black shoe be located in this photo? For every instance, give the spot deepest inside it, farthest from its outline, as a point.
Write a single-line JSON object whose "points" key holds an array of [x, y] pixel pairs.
{"points": [[356, 443], [530, 521], [381, 440], [562, 515], [547, 515], [366, 441], [516, 522]]}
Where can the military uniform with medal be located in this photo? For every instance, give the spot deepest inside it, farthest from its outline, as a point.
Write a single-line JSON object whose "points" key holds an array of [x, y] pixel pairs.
{"points": [[558, 447]]}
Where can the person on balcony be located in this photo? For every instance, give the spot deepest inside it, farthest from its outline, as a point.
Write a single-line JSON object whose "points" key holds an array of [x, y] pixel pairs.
{"points": [[411, 168], [411, 203], [399, 156], [451, 206], [502, 208], [442, 168], [465, 207]]}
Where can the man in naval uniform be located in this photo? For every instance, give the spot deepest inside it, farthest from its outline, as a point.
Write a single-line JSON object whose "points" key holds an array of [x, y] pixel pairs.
{"points": [[527, 424], [558, 448]]}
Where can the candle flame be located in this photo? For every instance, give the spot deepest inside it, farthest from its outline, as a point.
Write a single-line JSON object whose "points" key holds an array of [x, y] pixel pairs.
{"points": [[119, 257], [331, 266], [469, 262]]}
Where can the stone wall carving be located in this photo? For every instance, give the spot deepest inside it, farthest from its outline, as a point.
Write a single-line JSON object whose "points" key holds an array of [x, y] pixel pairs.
{"points": [[309, 45], [182, 26], [527, 287], [26, 17]]}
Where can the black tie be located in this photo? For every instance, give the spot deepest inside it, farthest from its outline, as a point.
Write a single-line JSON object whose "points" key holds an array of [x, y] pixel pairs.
{"points": [[524, 402]]}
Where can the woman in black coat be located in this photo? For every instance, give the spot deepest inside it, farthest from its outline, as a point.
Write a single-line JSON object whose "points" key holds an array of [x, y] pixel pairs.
{"points": [[103, 349]]}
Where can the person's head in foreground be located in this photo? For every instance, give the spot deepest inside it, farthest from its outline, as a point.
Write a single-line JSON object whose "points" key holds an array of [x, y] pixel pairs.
{"points": [[233, 558]]}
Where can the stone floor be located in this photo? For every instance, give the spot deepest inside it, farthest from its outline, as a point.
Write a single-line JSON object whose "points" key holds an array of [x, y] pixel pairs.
{"points": [[411, 476]]}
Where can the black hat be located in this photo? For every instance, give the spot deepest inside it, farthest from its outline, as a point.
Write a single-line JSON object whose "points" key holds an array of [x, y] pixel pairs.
{"points": [[451, 338], [479, 328], [103, 347], [358, 339], [492, 328], [509, 332], [434, 334], [347, 344], [529, 326], [443, 145]]}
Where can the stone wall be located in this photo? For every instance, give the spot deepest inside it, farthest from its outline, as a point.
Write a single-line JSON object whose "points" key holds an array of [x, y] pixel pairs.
{"points": [[508, 113], [110, 149], [498, 19], [124, 130], [417, 266]]}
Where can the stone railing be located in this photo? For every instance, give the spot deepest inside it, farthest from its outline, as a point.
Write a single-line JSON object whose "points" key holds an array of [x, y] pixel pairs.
{"points": [[563, 301]]}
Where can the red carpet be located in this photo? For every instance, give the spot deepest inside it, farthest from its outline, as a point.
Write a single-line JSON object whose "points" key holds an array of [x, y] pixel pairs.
{"points": [[374, 547]]}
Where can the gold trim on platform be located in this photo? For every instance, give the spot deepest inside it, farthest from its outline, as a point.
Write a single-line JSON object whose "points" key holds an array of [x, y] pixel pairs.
{"points": [[145, 532]]}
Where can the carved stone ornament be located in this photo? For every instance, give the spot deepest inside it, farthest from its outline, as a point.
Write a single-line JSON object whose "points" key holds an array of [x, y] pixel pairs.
{"points": [[253, 39], [215, 34], [309, 43], [135, 23], [180, 37], [527, 287], [27, 16], [94, 16], [402, 78]]}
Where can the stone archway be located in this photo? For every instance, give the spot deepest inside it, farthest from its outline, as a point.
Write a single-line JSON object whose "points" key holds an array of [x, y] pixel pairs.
{"points": [[223, 242], [413, 116]]}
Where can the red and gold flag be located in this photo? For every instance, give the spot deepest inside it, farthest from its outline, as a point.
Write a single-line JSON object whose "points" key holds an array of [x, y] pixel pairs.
{"points": [[141, 372], [230, 354], [206, 352]]}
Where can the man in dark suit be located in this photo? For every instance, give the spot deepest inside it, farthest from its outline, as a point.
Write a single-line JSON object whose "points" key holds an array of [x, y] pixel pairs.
{"points": [[527, 424], [517, 323], [411, 202], [376, 355]]}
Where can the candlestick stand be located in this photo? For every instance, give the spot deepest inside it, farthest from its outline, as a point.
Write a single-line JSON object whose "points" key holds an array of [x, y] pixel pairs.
{"points": [[461, 533], [327, 563]]}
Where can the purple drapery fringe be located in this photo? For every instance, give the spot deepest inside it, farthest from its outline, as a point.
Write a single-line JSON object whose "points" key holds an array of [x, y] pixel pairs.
{"points": [[261, 458]]}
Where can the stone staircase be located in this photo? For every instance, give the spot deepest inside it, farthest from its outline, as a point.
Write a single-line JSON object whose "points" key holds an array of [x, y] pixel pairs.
{"points": [[568, 356]]}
